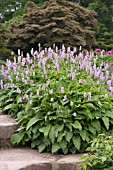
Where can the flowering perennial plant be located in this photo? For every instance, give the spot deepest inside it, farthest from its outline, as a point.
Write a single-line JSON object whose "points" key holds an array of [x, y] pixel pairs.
{"points": [[60, 99]]}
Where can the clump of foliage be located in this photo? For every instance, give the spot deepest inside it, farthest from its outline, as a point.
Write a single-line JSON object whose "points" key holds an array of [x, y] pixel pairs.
{"points": [[59, 99], [3, 35], [5, 53], [56, 21], [101, 153]]}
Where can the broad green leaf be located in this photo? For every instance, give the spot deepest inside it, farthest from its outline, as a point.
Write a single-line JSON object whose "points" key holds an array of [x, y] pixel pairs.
{"points": [[35, 128], [109, 114], [16, 138], [63, 144], [76, 141], [41, 147], [33, 121], [92, 129], [3, 97], [36, 135], [77, 125], [58, 128], [83, 134], [68, 136], [10, 106], [103, 158], [55, 147], [96, 125], [52, 134], [84, 165], [65, 151], [69, 125], [13, 139], [106, 122], [9, 100], [45, 130], [60, 136]]}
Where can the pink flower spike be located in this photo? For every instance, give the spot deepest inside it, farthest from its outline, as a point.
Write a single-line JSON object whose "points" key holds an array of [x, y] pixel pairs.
{"points": [[37, 92], [18, 91], [84, 81], [20, 100], [109, 52], [51, 91], [62, 89], [89, 96], [97, 50], [30, 102], [26, 97], [85, 95]]}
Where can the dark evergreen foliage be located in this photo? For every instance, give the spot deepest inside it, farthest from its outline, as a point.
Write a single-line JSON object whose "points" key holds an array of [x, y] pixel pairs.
{"points": [[56, 21]]}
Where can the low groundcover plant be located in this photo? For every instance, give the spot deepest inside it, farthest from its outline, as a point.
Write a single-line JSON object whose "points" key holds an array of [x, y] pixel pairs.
{"points": [[100, 154], [61, 98]]}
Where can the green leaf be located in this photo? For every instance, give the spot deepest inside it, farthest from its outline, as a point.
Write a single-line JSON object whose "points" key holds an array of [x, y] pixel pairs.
{"points": [[63, 144], [33, 121], [92, 129], [41, 147], [65, 151], [9, 100], [60, 136], [77, 125], [109, 114], [83, 134], [76, 141], [10, 106], [3, 97], [13, 139], [16, 138], [106, 122], [52, 134], [68, 136], [55, 147], [103, 158], [58, 128], [45, 130], [96, 125]]}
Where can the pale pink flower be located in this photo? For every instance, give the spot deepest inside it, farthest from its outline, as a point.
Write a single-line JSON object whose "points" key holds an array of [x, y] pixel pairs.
{"points": [[51, 91], [20, 100], [89, 96], [18, 90], [62, 89], [37, 92]]}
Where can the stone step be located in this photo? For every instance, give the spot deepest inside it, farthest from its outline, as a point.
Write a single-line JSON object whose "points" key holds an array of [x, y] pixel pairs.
{"points": [[29, 159], [7, 127]]}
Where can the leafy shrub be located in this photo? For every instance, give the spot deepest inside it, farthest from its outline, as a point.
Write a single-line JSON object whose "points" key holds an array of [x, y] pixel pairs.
{"points": [[59, 99], [5, 53], [101, 153]]}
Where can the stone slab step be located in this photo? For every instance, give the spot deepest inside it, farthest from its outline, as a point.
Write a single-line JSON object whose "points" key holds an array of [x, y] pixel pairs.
{"points": [[8, 126], [29, 159]]}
